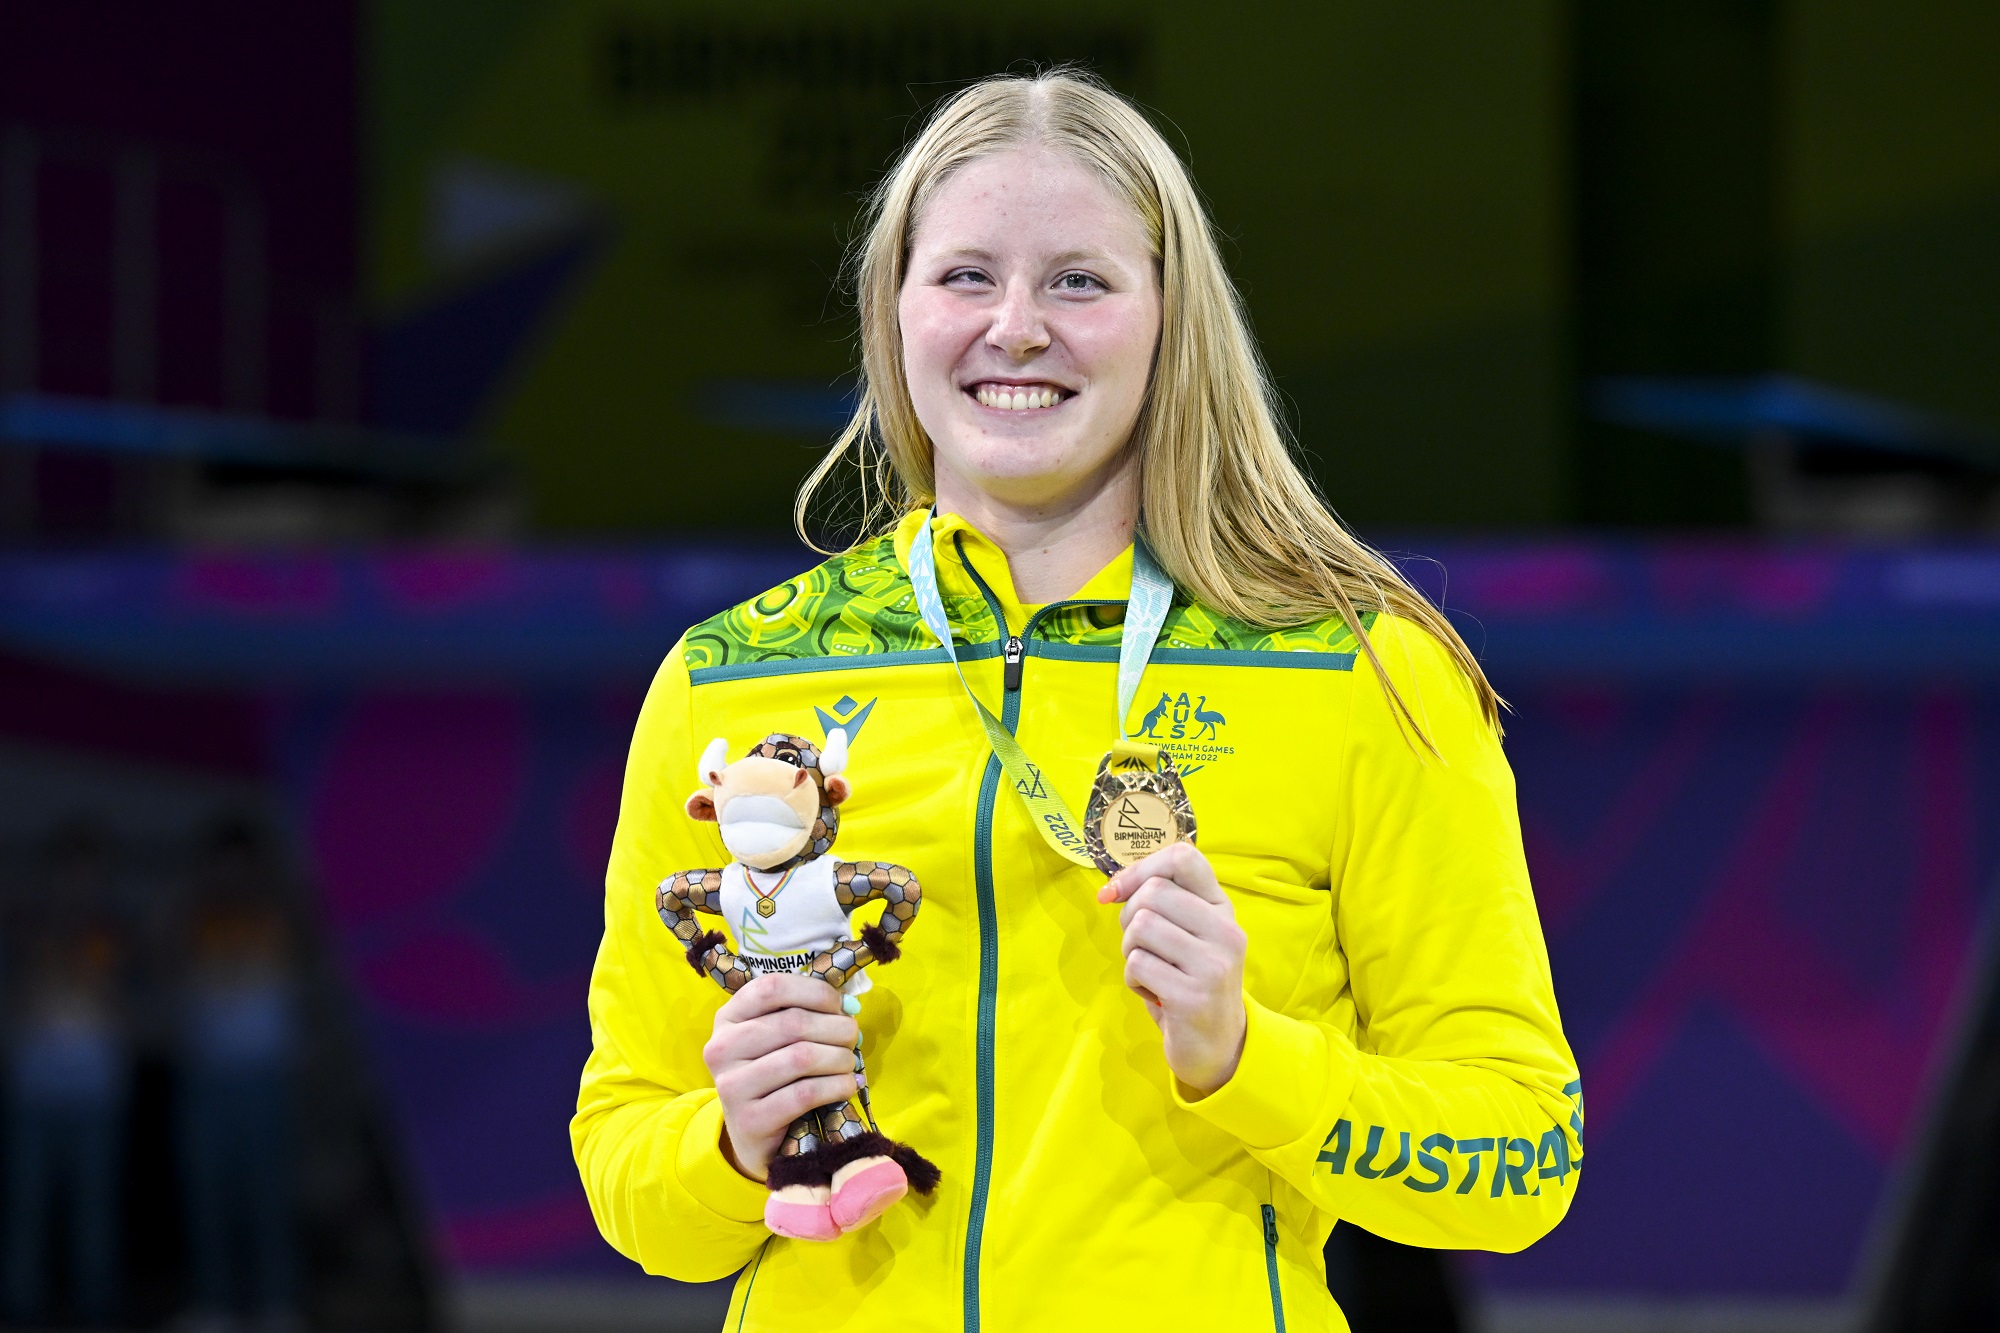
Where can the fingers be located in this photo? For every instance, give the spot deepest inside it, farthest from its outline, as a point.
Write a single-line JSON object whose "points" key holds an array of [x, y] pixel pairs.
{"points": [[1159, 983], [1164, 938], [795, 1099], [1208, 964], [1183, 949], [1184, 956], [756, 1126], [1182, 863], [781, 1047], [749, 1040], [1194, 914], [753, 1080], [780, 990]]}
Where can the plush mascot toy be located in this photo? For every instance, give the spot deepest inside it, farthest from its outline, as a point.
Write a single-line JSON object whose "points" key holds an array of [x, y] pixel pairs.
{"points": [[787, 899]]}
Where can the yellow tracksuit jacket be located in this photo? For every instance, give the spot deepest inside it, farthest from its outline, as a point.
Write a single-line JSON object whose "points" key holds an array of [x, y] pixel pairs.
{"points": [[1404, 1067]]}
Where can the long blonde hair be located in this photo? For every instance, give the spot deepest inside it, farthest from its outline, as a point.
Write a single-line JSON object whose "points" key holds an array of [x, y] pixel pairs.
{"points": [[1224, 505]]}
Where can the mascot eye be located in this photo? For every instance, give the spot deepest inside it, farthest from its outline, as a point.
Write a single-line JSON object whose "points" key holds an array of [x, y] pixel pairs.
{"points": [[791, 757]]}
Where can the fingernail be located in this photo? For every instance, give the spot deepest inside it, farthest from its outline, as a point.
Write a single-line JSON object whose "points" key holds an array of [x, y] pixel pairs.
{"points": [[849, 1005]]}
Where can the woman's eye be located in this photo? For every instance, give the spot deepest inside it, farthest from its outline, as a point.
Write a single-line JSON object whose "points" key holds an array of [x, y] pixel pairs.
{"points": [[964, 277], [1078, 283]]}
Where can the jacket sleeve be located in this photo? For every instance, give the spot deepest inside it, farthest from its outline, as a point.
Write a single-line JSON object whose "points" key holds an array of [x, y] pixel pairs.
{"points": [[648, 1128], [1456, 1118]]}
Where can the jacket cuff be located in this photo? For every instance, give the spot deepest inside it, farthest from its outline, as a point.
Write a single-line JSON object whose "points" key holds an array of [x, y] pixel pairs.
{"points": [[1276, 1094], [707, 1175]]}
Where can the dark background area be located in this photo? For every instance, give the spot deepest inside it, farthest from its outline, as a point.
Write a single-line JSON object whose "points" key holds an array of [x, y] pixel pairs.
{"points": [[604, 244]]}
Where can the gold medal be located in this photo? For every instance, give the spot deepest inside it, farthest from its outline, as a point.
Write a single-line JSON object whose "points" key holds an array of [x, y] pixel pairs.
{"points": [[767, 903], [1134, 811]]}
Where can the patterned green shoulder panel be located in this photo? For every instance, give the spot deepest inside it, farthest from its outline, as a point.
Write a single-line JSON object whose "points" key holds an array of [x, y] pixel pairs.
{"points": [[855, 604], [1193, 626]]}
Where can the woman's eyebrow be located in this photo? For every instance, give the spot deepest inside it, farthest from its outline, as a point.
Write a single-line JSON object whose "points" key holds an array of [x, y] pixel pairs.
{"points": [[1086, 253], [1074, 256]]}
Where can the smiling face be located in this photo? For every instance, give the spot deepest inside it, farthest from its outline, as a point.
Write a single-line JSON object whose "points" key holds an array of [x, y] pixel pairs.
{"points": [[1030, 312]]}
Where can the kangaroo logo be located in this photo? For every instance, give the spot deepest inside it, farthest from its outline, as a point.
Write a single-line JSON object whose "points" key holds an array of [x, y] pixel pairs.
{"points": [[1154, 716]]}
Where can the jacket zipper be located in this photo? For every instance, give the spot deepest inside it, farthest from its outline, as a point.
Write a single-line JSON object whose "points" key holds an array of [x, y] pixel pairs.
{"points": [[1013, 651], [1271, 1267], [989, 955], [751, 1285]]}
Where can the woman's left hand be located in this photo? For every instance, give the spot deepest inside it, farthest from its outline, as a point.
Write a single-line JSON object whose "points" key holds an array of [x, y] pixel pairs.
{"points": [[1184, 956]]}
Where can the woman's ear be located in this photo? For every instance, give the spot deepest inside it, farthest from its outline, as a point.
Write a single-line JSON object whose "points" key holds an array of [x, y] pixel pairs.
{"points": [[701, 806], [836, 790]]}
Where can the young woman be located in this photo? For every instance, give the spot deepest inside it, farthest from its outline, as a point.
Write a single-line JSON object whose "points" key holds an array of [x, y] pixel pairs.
{"points": [[1150, 1098]]}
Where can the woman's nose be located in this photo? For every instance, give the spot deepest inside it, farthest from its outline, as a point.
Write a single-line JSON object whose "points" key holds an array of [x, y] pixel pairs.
{"points": [[1018, 328]]}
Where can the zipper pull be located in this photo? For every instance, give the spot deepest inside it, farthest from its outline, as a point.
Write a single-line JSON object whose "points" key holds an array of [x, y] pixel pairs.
{"points": [[1270, 1226], [1010, 657]]}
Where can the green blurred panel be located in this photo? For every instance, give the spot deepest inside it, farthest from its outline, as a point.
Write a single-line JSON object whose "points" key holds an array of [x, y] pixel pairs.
{"points": [[1892, 117], [1459, 428], [1388, 180], [1675, 235]]}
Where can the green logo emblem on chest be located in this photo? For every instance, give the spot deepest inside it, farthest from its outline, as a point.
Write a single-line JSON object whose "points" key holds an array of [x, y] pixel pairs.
{"points": [[846, 714]]}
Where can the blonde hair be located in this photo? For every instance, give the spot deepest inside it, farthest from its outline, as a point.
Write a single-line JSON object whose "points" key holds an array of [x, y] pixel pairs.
{"points": [[1224, 505]]}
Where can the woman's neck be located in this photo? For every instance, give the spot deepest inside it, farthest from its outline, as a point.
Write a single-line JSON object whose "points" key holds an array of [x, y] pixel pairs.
{"points": [[1054, 547]]}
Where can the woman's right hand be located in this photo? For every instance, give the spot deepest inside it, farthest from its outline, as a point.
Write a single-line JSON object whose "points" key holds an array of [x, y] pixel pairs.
{"points": [[781, 1047]]}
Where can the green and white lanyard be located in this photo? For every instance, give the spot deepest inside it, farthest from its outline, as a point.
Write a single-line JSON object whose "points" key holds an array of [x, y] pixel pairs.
{"points": [[1146, 609]]}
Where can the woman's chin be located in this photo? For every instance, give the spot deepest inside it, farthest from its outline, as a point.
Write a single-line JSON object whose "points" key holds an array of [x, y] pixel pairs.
{"points": [[1020, 471]]}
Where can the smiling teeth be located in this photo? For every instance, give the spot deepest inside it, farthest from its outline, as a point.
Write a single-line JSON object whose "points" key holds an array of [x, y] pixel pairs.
{"points": [[1017, 400]]}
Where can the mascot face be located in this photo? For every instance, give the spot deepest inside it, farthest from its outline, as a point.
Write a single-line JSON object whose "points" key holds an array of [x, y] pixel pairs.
{"points": [[775, 806]]}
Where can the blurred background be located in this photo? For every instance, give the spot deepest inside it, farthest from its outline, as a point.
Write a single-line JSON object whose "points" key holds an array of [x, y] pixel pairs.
{"points": [[384, 385]]}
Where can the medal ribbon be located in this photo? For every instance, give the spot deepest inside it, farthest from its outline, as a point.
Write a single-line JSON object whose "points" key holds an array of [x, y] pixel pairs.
{"points": [[1146, 608]]}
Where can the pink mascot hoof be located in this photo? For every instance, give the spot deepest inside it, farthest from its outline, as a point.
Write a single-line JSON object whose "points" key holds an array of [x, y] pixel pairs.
{"points": [[800, 1221], [866, 1195]]}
